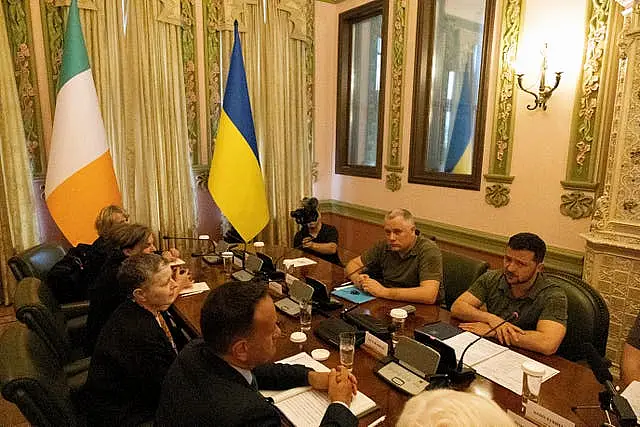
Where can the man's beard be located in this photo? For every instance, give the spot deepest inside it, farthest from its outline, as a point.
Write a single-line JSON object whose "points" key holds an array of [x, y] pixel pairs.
{"points": [[508, 275]]}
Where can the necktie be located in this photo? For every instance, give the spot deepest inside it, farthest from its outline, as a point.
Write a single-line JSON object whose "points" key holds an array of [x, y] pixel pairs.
{"points": [[166, 330], [254, 382]]}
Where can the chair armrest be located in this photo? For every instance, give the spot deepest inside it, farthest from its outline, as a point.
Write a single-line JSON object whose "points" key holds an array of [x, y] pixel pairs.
{"points": [[75, 309]]}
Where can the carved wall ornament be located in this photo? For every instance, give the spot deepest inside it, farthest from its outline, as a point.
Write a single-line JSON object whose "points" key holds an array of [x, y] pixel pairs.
{"points": [[82, 4], [191, 79], [397, 79], [503, 116], [585, 129], [232, 10], [314, 171], [576, 205], [170, 12], [497, 195], [309, 83], [53, 27], [201, 177], [393, 181], [212, 14], [19, 35], [298, 13]]}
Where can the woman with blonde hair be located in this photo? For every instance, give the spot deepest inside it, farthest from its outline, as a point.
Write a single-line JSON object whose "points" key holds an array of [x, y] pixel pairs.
{"points": [[450, 408]]}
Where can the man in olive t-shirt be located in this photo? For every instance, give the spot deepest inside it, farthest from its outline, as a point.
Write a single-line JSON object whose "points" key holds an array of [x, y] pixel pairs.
{"points": [[408, 267], [520, 287]]}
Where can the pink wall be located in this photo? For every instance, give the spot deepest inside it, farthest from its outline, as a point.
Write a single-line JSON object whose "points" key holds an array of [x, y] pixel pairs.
{"points": [[541, 138]]}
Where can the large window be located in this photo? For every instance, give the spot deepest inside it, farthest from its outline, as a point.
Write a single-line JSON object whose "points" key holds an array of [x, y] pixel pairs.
{"points": [[450, 92], [359, 120]]}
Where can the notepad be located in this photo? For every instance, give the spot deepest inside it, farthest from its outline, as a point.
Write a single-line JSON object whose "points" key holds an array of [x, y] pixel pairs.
{"points": [[304, 406], [298, 262], [195, 288], [353, 294]]}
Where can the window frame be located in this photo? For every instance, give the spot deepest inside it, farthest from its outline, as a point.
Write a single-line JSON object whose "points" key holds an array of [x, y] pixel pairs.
{"points": [[422, 99], [346, 20]]}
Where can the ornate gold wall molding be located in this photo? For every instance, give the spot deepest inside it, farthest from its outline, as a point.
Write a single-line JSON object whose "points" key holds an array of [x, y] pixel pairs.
{"points": [[53, 33], [587, 128], [498, 195], [189, 62], [310, 67], [212, 12], [393, 180], [20, 37], [171, 13]]}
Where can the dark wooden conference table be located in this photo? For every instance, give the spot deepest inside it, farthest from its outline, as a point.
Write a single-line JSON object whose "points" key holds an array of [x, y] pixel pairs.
{"points": [[574, 385]]}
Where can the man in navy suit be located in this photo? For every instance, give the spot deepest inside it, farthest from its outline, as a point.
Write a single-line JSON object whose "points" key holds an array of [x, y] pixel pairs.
{"points": [[215, 381]]}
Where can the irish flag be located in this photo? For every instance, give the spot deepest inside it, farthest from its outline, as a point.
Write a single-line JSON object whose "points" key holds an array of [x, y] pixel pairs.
{"points": [[80, 177]]}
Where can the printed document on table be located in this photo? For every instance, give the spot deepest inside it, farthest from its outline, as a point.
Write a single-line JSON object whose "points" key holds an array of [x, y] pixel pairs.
{"points": [[506, 369], [304, 406], [632, 394], [298, 262], [194, 288], [480, 351]]}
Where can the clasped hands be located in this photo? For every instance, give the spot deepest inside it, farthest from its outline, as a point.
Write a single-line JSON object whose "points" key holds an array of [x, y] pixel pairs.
{"points": [[307, 242], [508, 333], [341, 385], [371, 286]]}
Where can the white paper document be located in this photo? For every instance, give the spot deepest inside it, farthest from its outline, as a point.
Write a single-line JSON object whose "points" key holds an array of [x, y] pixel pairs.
{"points": [[195, 288], [176, 262], [298, 262], [304, 406], [632, 394], [506, 369], [479, 352]]}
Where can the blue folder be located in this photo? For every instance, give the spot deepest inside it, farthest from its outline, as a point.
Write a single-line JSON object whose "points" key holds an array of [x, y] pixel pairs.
{"points": [[353, 294]]}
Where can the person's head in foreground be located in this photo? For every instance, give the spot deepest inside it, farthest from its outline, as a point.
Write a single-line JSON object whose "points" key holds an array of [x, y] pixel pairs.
{"points": [[239, 323], [148, 280], [450, 408]]}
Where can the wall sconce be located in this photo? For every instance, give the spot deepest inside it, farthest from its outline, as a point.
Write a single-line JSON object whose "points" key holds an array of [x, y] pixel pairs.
{"points": [[544, 91]]}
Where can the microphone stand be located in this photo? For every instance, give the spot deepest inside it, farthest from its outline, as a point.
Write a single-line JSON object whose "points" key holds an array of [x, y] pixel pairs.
{"points": [[464, 374]]}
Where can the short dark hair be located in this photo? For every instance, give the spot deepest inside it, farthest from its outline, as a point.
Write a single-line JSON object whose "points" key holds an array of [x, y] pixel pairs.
{"points": [[137, 270], [529, 242], [228, 313]]}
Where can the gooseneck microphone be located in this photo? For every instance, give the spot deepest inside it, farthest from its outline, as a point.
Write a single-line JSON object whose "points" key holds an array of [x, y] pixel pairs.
{"points": [[202, 237], [462, 374], [610, 398]]}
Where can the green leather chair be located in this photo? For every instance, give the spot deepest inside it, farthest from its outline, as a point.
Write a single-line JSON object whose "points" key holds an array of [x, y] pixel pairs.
{"points": [[588, 316], [36, 261], [32, 378], [37, 308], [458, 273]]}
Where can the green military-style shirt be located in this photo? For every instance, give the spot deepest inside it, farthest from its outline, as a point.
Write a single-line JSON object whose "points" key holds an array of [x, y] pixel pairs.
{"points": [[545, 301], [422, 262]]}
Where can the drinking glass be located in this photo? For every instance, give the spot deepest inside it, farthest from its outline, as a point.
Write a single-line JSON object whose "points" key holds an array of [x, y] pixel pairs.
{"points": [[347, 349], [227, 263], [398, 316], [532, 375], [305, 316]]}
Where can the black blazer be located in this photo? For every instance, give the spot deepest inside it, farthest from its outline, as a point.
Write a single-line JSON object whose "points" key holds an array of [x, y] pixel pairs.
{"points": [[130, 361], [202, 389]]}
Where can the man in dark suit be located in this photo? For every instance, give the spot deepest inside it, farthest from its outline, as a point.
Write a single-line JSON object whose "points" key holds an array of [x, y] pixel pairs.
{"points": [[135, 348], [215, 381]]}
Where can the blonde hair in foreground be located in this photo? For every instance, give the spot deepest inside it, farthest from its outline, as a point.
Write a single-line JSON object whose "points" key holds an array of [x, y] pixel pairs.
{"points": [[450, 408]]}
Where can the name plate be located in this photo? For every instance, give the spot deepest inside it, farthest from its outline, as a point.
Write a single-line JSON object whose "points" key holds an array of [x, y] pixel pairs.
{"points": [[519, 421], [276, 287], [237, 261], [544, 417], [375, 345]]}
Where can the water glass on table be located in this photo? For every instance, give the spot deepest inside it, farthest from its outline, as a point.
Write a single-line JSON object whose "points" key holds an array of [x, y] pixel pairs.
{"points": [[532, 375], [398, 315], [305, 316], [347, 349], [227, 263]]}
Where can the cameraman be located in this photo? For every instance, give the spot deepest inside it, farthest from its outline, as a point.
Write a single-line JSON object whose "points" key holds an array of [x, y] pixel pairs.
{"points": [[315, 237]]}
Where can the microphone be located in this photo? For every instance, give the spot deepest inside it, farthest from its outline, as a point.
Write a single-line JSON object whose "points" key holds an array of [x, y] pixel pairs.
{"points": [[610, 398], [462, 374]]}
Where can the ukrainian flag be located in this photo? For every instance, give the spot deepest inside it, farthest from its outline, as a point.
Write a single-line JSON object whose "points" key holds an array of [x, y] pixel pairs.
{"points": [[460, 148], [235, 178]]}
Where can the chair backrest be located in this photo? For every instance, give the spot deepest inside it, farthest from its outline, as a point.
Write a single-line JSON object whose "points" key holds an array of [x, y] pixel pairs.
{"points": [[458, 273], [36, 261], [37, 308], [32, 378], [588, 317]]}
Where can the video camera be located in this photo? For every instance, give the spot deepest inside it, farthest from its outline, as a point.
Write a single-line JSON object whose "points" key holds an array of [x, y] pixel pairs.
{"points": [[307, 213]]}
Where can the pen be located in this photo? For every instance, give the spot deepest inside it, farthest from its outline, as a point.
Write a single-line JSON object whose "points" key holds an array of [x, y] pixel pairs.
{"points": [[378, 421], [343, 285]]}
